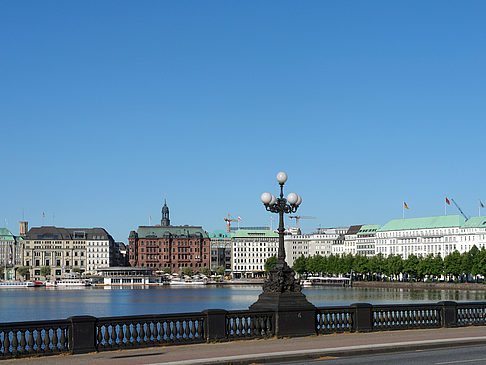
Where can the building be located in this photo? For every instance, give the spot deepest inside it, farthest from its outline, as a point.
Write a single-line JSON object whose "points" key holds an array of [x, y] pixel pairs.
{"points": [[66, 251], [221, 249], [10, 253], [167, 246], [318, 243], [127, 275], [431, 235], [121, 255], [101, 251], [296, 245], [346, 244], [251, 248], [365, 240]]}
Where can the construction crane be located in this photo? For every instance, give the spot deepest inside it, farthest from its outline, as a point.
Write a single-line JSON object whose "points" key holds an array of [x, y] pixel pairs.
{"points": [[297, 217], [228, 221], [458, 207]]}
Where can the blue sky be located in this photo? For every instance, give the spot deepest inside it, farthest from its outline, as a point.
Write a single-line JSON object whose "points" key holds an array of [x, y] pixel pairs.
{"points": [[106, 106]]}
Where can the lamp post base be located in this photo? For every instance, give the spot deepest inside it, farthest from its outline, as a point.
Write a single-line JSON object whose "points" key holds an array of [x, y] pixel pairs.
{"points": [[294, 314]]}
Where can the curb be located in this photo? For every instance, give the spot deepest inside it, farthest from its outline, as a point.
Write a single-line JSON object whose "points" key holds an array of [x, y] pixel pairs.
{"points": [[314, 354]]}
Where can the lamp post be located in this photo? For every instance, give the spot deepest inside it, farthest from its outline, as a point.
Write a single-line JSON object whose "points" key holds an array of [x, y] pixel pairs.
{"points": [[295, 316], [280, 206]]}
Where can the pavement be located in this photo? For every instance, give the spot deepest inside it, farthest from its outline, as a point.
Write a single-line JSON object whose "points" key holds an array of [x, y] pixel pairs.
{"points": [[277, 350]]}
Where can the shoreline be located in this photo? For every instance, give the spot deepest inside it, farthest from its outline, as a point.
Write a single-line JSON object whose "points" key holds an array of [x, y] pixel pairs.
{"points": [[419, 286]]}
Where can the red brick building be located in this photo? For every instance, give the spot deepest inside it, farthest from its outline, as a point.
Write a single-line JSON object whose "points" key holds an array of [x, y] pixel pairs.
{"points": [[169, 246]]}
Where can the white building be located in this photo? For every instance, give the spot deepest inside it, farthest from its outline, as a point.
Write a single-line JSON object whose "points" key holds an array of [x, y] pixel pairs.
{"points": [[365, 240], [250, 250], [100, 248], [431, 235], [320, 243]]}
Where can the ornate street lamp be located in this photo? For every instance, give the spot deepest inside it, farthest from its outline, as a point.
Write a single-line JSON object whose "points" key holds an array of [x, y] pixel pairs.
{"points": [[281, 290]]}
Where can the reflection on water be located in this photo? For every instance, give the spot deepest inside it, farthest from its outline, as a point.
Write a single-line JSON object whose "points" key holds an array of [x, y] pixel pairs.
{"points": [[42, 303]]}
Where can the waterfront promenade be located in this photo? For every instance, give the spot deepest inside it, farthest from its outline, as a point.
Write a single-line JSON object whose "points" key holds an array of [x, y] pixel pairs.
{"points": [[278, 350]]}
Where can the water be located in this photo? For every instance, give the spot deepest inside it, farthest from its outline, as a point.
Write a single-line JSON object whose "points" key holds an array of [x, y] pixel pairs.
{"points": [[52, 303]]}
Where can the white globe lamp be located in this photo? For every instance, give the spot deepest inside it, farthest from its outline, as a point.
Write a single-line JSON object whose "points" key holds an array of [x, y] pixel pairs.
{"points": [[266, 198], [281, 177], [292, 198]]}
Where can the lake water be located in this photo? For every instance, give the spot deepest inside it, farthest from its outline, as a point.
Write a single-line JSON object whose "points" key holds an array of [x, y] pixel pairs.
{"points": [[55, 303]]}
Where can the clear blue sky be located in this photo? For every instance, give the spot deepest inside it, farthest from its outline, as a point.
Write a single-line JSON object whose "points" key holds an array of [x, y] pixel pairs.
{"points": [[105, 106]]}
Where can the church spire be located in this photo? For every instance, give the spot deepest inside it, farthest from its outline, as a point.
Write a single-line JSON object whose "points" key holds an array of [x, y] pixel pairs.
{"points": [[165, 222]]}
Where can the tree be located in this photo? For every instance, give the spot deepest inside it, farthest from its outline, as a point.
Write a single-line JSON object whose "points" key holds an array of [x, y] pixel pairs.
{"points": [[482, 262], [360, 265], [165, 270], [2, 270], [270, 263], [23, 271], [188, 271], [205, 271], [452, 264], [45, 271], [218, 270], [470, 261], [313, 264], [395, 265], [300, 265], [411, 266]]}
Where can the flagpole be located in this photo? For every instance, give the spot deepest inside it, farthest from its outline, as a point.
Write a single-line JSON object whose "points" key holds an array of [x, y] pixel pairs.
{"points": [[403, 208], [445, 205]]}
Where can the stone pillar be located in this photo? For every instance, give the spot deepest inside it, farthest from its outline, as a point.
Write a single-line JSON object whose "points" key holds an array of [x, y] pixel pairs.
{"points": [[449, 313], [363, 317], [82, 337], [215, 325]]}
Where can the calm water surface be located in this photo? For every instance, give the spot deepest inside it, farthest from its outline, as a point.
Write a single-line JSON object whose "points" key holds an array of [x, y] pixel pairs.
{"points": [[55, 303]]}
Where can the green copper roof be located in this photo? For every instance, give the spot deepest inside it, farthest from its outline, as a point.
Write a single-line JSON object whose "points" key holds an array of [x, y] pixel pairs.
{"points": [[442, 221], [6, 235], [243, 233], [174, 231], [475, 222], [368, 229], [219, 234]]}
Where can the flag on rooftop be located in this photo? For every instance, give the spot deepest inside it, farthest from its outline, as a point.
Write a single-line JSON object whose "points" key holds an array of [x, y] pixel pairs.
{"points": [[447, 201], [405, 205], [481, 204]]}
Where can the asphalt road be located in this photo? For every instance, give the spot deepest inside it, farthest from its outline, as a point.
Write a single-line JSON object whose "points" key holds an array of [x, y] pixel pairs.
{"points": [[473, 355]]}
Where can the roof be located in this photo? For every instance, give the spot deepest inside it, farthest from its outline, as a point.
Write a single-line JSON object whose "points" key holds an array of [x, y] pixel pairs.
{"points": [[6, 235], [368, 229], [60, 233], [354, 229], [219, 234], [171, 231], [442, 221], [245, 233], [475, 222]]}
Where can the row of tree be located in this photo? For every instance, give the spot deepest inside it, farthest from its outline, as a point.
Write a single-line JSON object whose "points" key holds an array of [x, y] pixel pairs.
{"points": [[454, 266]]}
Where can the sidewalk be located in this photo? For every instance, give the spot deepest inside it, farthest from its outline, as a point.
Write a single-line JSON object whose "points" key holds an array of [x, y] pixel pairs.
{"points": [[276, 350]]}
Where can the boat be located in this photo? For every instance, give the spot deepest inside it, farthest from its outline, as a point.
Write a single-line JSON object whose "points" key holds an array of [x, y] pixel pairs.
{"points": [[325, 281], [187, 282], [306, 283], [67, 283], [17, 284]]}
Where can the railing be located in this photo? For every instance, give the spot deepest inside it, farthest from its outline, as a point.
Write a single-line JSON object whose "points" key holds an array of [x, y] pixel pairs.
{"points": [[151, 330], [334, 319], [471, 314], [406, 316], [246, 324], [87, 334], [22, 339]]}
